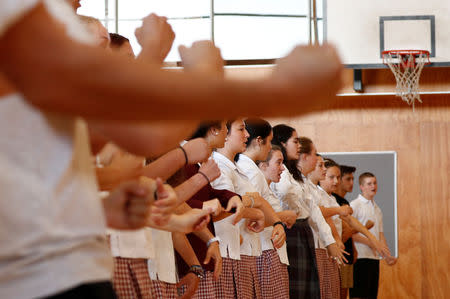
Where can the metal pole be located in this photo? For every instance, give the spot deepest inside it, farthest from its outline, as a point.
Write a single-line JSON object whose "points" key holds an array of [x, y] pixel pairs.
{"points": [[316, 32], [117, 16], [309, 23], [211, 16]]}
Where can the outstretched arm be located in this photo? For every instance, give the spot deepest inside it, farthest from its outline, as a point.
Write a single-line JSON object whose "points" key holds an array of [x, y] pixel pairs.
{"points": [[64, 76]]}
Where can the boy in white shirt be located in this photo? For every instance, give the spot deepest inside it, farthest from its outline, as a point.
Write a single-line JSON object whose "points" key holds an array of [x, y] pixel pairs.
{"points": [[367, 267]]}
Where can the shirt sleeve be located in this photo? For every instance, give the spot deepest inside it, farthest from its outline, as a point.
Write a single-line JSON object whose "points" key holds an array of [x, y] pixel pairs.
{"points": [[222, 195], [11, 11], [223, 182], [324, 229]]}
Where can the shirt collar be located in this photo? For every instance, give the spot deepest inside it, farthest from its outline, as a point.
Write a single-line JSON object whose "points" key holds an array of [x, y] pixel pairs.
{"points": [[364, 200], [219, 157]]}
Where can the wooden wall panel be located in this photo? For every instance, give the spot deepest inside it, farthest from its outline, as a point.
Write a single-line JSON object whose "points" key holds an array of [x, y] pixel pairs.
{"points": [[422, 141], [396, 127], [434, 198]]}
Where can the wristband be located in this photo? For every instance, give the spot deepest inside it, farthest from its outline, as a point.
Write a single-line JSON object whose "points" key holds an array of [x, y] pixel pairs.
{"points": [[212, 240], [185, 155], [282, 224], [205, 176], [197, 270]]}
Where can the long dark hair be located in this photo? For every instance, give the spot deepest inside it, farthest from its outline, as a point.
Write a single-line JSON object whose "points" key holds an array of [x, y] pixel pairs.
{"points": [[204, 127], [281, 134], [256, 127]]}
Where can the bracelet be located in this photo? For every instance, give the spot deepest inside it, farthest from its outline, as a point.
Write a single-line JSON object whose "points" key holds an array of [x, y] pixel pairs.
{"points": [[185, 155], [197, 270], [252, 199], [205, 176], [212, 240], [282, 224]]}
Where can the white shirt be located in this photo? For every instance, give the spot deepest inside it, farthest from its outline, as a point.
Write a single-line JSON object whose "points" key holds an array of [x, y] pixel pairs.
{"points": [[162, 267], [52, 227], [132, 243], [232, 178], [328, 201], [257, 178], [297, 196], [364, 210]]}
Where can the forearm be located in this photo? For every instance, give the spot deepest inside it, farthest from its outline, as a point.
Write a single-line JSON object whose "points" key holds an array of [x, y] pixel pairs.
{"points": [[205, 235], [355, 224], [92, 83], [165, 166], [189, 187], [285, 215], [110, 177], [328, 212], [361, 239], [269, 214], [184, 249], [334, 231], [144, 139]]}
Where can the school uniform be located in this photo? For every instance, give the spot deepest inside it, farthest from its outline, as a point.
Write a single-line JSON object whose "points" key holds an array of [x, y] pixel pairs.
{"points": [[52, 223], [206, 288], [329, 276], [303, 275], [367, 267], [272, 272], [232, 178]]}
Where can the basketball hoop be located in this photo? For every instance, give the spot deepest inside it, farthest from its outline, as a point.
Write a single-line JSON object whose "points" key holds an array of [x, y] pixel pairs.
{"points": [[407, 66]]}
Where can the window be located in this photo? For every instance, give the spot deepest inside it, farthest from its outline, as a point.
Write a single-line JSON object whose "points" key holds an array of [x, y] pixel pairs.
{"points": [[245, 30]]}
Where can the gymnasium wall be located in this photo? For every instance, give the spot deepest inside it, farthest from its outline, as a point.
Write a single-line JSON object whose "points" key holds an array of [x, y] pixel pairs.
{"points": [[422, 142]]}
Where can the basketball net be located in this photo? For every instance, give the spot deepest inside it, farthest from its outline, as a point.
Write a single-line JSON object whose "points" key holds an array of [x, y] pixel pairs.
{"points": [[407, 65]]}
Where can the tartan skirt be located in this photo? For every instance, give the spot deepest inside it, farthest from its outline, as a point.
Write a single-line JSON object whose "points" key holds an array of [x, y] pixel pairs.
{"points": [[206, 287], [330, 283], [131, 278], [273, 276], [246, 274], [164, 290], [303, 277], [225, 286]]}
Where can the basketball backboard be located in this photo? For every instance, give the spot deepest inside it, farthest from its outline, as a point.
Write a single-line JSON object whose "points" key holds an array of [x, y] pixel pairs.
{"points": [[362, 29]]}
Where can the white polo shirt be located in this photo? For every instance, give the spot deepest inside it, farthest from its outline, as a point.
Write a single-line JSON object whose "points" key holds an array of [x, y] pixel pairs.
{"points": [[298, 196], [232, 178], [364, 210], [52, 227]]}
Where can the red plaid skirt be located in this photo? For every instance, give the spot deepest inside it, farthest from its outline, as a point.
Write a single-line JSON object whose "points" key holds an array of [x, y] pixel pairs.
{"points": [[206, 287], [131, 278], [247, 284], [273, 276], [225, 286], [164, 290], [329, 279]]}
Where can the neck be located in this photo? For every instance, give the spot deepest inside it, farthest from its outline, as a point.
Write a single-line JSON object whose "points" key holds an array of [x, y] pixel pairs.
{"points": [[313, 180], [252, 154], [227, 153], [341, 192], [302, 166], [268, 182], [368, 196]]}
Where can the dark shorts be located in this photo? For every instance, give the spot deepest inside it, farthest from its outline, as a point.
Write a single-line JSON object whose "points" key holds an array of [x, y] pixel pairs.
{"points": [[99, 290], [366, 273]]}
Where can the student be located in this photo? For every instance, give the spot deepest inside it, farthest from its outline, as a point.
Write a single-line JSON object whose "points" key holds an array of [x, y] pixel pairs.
{"points": [[327, 266], [270, 269], [345, 186], [295, 195], [367, 267], [272, 168], [63, 78], [214, 132]]}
